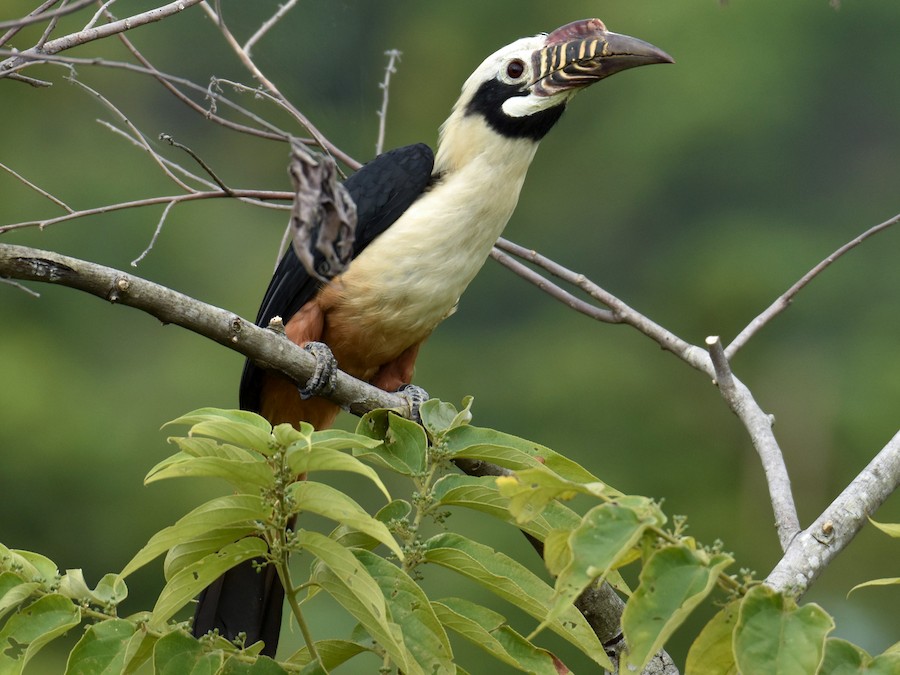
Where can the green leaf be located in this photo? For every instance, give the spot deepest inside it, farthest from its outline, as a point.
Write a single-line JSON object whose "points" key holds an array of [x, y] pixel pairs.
{"points": [[325, 500], [104, 649], [511, 452], [888, 581], [182, 555], [239, 427], [222, 512], [306, 459], [179, 654], [32, 566], [409, 607], [32, 627], [509, 580], [397, 510], [488, 630], [439, 417], [246, 474], [712, 653], [843, 658], [263, 665], [891, 529], [774, 636], [332, 653], [531, 490], [343, 577], [188, 582], [481, 493], [14, 591], [672, 583], [111, 590], [405, 446], [606, 535], [345, 441]]}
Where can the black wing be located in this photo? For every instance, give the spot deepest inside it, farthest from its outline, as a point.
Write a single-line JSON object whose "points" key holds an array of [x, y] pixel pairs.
{"points": [[382, 190]]}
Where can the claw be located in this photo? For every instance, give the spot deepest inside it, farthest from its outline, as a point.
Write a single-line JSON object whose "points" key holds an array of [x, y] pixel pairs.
{"points": [[414, 397], [323, 378]]}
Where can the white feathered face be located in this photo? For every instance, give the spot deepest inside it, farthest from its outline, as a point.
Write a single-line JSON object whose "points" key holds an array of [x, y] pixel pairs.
{"points": [[522, 89]]}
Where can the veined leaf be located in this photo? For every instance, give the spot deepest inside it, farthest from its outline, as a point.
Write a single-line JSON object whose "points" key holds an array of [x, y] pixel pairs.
{"points": [[32, 627], [511, 452], [530, 491], [605, 536], [398, 509], [14, 591], [240, 427], [345, 441], [673, 582], [106, 648], [230, 511], [712, 652], [439, 417], [182, 555], [31, 566], [188, 582], [325, 500], [263, 665], [245, 470], [423, 634], [179, 654], [511, 581], [775, 636], [332, 653], [405, 446], [488, 630], [890, 529], [309, 459], [342, 576], [110, 590]]}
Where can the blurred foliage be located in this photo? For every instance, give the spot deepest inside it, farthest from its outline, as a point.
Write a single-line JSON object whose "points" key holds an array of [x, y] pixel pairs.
{"points": [[696, 192]]}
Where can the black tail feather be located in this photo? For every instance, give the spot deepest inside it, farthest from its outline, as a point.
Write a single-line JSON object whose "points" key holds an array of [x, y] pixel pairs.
{"points": [[246, 599]]}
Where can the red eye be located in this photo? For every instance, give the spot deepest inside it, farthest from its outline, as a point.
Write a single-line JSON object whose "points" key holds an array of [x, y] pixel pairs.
{"points": [[515, 69]]}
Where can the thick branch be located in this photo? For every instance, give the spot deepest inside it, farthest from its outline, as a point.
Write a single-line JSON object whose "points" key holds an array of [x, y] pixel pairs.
{"points": [[268, 348], [813, 549]]}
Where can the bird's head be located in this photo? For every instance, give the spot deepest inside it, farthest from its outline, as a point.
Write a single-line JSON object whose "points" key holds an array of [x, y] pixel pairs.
{"points": [[521, 90]]}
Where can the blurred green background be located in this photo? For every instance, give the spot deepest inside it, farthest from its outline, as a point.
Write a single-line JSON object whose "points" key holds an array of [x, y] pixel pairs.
{"points": [[696, 192]]}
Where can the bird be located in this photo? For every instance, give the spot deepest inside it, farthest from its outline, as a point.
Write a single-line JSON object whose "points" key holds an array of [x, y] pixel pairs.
{"points": [[426, 223]]}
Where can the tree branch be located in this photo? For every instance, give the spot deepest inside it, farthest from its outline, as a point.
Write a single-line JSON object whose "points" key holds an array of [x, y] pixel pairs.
{"points": [[814, 548], [784, 301], [268, 348]]}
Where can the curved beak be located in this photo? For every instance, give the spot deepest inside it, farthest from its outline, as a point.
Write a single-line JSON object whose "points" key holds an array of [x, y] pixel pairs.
{"points": [[583, 52]]}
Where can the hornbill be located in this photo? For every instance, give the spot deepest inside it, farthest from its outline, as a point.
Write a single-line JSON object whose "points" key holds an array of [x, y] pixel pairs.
{"points": [[425, 225]]}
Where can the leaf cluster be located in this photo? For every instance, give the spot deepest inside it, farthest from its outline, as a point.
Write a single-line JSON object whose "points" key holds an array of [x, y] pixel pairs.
{"points": [[372, 564]]}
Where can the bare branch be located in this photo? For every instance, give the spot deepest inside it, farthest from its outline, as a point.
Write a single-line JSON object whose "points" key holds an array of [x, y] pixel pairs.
{"points": [[21, 287], [104, 10], [144, 143], [393, 58], [814, 548], [159, 227], [759, 427], [150, 201], [98, 33], [269, 348], [784, 301], [39, 14], [268, 24], [24, 21], [34, 187], [212, 174], [274, 92]]}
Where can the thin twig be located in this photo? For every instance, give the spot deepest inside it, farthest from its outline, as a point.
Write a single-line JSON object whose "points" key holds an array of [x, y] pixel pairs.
{"points": [[268, 25], [166, 138], [104, 9], [21, 287], [150, 201], [273, 91], [34, 187], [48, 31], [393, 58], [33, 17], [159, 227], [784, 301], [145, 144], [14, 30]]}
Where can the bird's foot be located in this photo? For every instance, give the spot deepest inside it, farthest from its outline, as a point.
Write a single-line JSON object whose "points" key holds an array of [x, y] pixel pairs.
{"points": [[324, 377], [414, 397]]}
